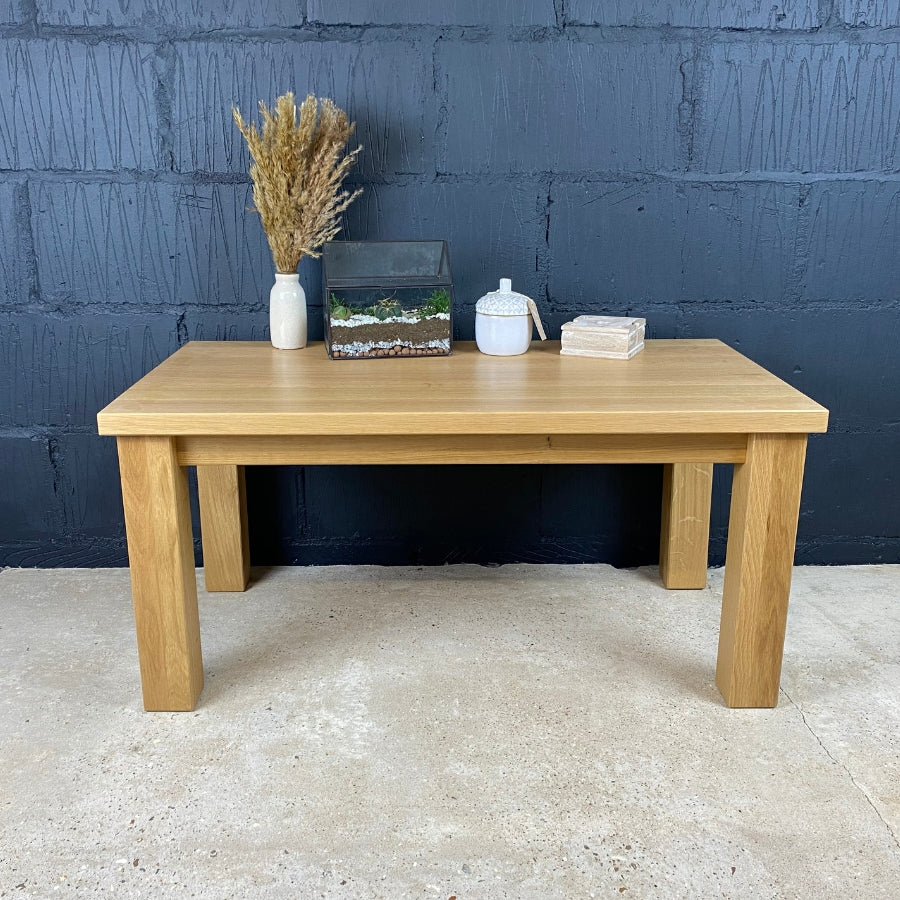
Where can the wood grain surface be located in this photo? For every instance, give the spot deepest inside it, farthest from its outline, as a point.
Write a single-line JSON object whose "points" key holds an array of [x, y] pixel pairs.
{"points": [[223, 525], [762, 530], [674, 387], [684, 531], [163, 581], [439, 449]]}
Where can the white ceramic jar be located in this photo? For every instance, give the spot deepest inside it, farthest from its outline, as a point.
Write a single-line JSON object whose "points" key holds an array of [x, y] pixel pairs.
{"points": [[503, 322]]}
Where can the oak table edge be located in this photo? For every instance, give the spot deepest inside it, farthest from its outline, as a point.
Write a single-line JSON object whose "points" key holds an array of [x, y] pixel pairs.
{"points": [[790, 411]]}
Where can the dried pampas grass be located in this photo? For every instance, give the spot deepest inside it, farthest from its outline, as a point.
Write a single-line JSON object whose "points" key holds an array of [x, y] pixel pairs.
{"points": [[297, 171]]}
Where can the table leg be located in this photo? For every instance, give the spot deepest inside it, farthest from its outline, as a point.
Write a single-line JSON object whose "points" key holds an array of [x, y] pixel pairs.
{"points": [[163, 582], [684, 535], [223, 527], [762, 531]]}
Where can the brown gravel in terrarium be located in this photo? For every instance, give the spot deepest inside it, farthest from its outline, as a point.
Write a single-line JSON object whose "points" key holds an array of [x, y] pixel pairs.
{"points": [[396, 350]]}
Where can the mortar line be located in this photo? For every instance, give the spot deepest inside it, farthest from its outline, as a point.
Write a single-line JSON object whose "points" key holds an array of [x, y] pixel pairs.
{"points": [[845, 768], [803, 236], [26, 241], [441, 99], [44, 432], [560, 13], [199, 178], [68, 309], [542, 255], [832, 31], [164, 72]]}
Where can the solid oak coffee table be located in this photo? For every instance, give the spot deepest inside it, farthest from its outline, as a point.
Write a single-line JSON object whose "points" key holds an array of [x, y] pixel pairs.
{"points": [[686, 404]]}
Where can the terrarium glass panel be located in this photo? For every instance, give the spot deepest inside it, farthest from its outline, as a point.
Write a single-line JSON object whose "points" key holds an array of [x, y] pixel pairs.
{"points": [[387, 298]]}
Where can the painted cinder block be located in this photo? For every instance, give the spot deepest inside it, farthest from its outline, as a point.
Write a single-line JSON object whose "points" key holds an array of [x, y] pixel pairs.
{"points": [[852, 254], [448, 12], [382, 88], [105, 242], [29, 507], [231, 325], [719, 513], [71, 104], [620, 502], [697, 14], [224, 260], [347, 501], [89, 486], [626, 243], [799, 107], [198, 14], [247, 319], [153, 245], [223, 257], [149, 245], [56, 371], [874, 13], [276, 513], [358, 514], [864, 465], [562, 106], [494, 231]]}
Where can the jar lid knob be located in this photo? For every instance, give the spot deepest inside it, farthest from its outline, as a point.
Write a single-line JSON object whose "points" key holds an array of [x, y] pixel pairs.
{"points": [[506, 285]]}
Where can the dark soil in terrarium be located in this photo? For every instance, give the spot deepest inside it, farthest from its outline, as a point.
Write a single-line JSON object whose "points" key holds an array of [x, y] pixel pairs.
{"points": [[420, 332]]}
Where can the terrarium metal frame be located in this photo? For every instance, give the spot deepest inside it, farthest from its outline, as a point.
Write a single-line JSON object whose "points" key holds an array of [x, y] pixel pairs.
{"points": [[395, 300]]}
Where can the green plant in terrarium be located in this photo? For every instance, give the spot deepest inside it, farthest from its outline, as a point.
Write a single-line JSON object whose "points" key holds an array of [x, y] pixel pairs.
{"points": [[387, 308], [338, 310], [437, 304]]}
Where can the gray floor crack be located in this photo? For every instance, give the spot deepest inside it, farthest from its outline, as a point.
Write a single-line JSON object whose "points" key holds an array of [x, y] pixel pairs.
{"points": [[841, 765]]}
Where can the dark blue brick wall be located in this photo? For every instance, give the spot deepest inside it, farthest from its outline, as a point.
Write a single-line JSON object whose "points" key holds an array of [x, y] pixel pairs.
{"points": [[728, 169], [78, 104]]}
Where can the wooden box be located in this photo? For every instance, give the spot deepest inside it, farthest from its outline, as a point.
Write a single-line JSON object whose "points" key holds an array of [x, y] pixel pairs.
{"points": [[607, 337]]}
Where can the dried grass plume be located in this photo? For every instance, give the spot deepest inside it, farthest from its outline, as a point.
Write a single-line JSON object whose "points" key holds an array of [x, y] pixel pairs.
{"points": [[297, 170]]}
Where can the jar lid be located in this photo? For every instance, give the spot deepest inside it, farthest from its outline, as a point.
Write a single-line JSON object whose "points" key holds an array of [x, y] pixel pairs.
{"points": [[504, 302]]}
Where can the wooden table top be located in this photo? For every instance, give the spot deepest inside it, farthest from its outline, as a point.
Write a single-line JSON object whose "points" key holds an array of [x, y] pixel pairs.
{"points": [[672, 387]]}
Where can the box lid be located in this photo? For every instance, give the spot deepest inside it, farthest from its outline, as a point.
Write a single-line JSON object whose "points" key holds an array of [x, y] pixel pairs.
{"points": [[606, 324]]}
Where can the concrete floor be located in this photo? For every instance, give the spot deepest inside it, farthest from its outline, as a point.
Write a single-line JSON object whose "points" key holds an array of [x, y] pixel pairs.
{"points": [[526, 731]]}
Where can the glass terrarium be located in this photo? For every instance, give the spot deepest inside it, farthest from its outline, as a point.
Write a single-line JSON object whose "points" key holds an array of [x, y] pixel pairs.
{"points": [[387, 298]]}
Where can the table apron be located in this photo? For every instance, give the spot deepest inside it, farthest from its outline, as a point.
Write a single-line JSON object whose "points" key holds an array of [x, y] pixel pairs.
{"points": [[419, 449]]}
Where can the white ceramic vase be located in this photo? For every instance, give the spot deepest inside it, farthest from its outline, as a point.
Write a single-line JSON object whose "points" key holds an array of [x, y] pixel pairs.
{"points": [[287, 312]]}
